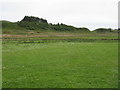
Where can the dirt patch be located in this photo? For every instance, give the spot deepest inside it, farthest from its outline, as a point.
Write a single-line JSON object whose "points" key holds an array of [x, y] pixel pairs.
{"points": [[20, 36], [9, 36]]}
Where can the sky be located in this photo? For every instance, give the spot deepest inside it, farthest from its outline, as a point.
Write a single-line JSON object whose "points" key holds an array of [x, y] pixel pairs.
{"points": [[79, 13]]}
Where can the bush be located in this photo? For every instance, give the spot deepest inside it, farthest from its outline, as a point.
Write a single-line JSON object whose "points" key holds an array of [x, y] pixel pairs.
{"points": [[103, 30]]}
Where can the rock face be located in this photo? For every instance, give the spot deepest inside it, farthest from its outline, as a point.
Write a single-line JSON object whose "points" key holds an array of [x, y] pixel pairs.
{"points": [[33, 23], [33, 19]]}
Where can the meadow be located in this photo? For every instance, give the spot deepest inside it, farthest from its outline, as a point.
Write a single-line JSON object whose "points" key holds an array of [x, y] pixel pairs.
{"points": [[38, 54], [60, 64]]}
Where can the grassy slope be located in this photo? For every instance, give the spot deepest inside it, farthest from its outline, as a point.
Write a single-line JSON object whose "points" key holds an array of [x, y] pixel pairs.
{"points": [[60, 65], [14, 29], [11, 28]]}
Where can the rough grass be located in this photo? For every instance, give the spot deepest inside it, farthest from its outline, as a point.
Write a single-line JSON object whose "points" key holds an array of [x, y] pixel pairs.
{"points": [[60, 65]]}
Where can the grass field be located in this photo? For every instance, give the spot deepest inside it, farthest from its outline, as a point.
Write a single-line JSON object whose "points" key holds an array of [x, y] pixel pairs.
{"points": [[60, 65], [41, 55]]}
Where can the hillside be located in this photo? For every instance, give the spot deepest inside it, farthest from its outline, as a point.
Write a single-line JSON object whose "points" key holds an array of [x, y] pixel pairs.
{"points": [[35, 24], [11, 27]]}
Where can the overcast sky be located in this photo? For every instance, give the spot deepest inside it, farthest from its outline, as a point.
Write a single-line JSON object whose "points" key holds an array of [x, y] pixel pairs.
{"points": [[80, 13]]}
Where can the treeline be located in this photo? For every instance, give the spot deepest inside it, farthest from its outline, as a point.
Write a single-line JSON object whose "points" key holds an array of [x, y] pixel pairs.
{"points": [[35, 23]]}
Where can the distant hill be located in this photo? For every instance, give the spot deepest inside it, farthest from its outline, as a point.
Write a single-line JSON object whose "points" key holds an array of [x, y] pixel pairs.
{"points": [[38, 24], [35, 23], [105, 30]]}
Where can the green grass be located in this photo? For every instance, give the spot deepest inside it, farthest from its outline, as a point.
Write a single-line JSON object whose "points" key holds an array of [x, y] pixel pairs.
{"points": [[60, 65]]}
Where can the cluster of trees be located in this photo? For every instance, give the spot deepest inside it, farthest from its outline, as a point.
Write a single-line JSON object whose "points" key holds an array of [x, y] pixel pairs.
{"points": [[103, 30], [64, 27], [61, 27]]}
